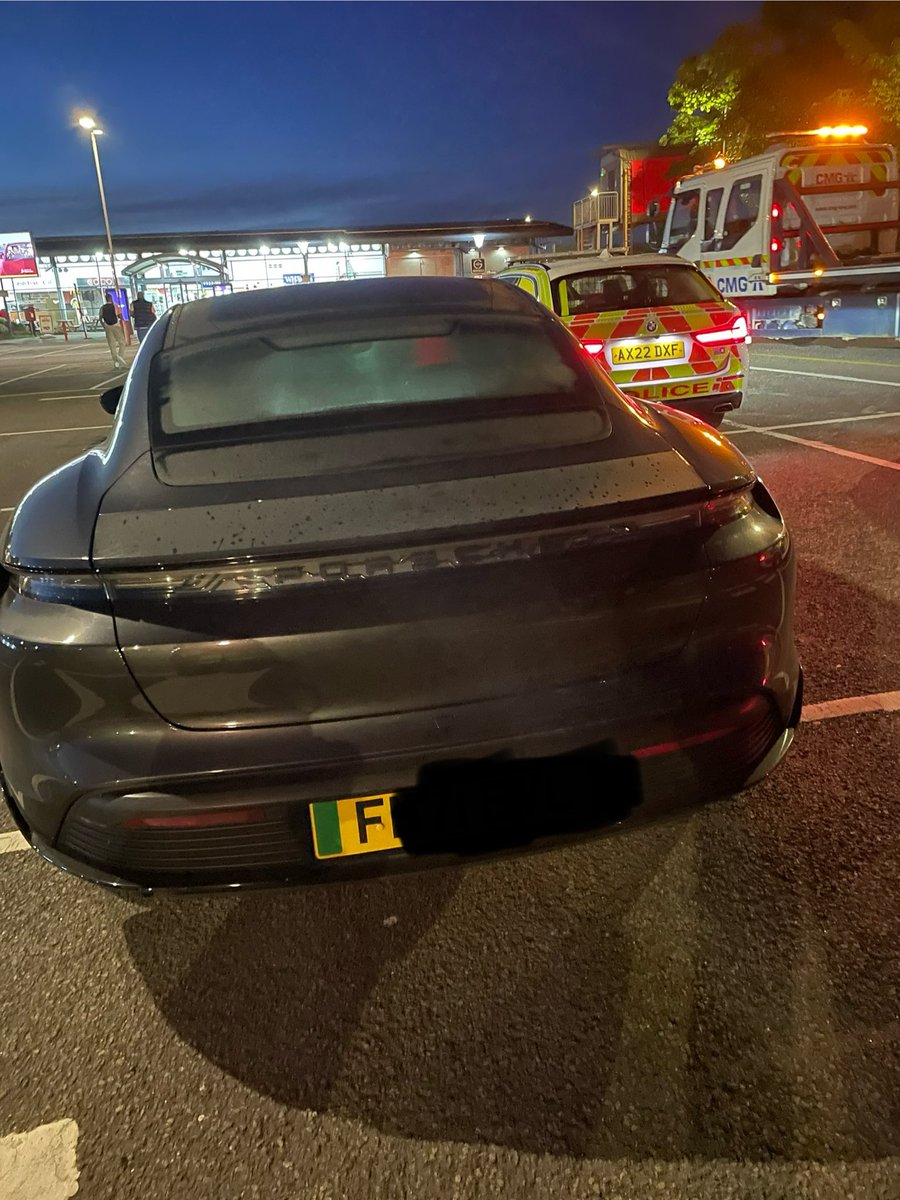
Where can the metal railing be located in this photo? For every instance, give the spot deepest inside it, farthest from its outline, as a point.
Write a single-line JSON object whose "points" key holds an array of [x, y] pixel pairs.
{"points": [[593, 210]]}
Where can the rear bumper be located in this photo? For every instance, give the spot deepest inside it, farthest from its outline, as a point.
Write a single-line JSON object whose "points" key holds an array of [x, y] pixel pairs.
{"points": [[726, 394], [683, 757], [713, 408], [148, 864], [702, 723]]}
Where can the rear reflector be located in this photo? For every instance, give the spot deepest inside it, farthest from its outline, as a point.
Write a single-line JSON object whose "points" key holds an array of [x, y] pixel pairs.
{"points": [[737, 331], [212, 818], [698, 739]]}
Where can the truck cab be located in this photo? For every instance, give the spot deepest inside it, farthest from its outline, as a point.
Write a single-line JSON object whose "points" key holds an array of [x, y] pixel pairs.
{"points": [[817, 212]]}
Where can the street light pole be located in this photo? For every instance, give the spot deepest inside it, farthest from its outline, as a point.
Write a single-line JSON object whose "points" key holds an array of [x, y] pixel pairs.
{"points": [[93, 129]]}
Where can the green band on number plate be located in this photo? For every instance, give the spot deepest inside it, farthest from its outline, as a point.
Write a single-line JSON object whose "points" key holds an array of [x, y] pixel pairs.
{"points": [[328, 828]]}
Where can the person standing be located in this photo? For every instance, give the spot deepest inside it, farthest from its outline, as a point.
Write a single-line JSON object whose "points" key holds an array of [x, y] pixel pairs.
{"points": [[115, 334], [30, 318], [144, 314]]}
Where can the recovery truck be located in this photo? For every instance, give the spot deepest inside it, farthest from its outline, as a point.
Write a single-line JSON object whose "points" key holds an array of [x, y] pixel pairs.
{"points": [[803, 237]]}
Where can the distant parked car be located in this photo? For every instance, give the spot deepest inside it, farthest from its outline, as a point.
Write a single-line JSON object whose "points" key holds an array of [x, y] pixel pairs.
{"points": [[655, 323], [380, 574]]}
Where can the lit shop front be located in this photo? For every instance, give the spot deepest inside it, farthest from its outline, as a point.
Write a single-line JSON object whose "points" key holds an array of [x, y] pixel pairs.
{"points": [[73, 274]]}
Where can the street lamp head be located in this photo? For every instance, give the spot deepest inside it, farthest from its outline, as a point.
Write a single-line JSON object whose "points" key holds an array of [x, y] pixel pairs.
{"points": [[303, 247], [87, 122], [478, 239]]}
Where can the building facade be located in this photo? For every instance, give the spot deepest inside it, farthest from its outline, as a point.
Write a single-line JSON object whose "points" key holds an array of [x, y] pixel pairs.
{"points": [[76, 272]]}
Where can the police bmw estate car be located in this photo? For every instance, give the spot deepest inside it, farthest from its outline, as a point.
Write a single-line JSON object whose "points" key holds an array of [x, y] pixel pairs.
{"points": [[658, 326]]}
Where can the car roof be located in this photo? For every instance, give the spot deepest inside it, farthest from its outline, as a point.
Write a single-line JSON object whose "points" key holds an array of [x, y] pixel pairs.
{"points": [[573, 264], [344, 301]]}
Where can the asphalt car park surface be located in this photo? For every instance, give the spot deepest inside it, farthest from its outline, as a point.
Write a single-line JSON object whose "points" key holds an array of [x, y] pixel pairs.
{"points": [[702, 1008]]}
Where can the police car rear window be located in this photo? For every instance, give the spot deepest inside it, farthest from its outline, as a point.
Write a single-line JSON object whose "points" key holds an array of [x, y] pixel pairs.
{"points": [[612, 290]]}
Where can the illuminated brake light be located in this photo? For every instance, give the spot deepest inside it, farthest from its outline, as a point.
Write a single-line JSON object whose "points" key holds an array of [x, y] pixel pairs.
{"points": [[776, 212], [775, 246], [593, 348], [737, 331]]}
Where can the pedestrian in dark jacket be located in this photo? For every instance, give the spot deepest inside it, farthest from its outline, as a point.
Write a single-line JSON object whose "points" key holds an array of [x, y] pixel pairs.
{"points": [[143, 314]]}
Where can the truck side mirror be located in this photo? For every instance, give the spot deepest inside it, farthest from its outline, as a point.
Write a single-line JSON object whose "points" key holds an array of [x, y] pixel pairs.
{"points": [[109, 400]]}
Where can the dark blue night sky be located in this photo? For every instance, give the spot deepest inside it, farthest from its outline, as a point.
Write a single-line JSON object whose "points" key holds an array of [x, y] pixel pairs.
{"points": [[242, 116]]}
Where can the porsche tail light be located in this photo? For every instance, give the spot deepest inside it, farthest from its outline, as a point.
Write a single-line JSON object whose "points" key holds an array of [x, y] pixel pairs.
{"points": [[727, 507], [81, 590], [734, 333]]}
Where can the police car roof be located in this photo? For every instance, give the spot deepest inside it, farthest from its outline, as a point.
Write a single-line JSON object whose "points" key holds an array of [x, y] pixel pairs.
{"points": [[575, 263]]}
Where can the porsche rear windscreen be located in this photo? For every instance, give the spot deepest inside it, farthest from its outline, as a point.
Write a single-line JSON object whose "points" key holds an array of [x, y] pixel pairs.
{"points": [[386, 392]]}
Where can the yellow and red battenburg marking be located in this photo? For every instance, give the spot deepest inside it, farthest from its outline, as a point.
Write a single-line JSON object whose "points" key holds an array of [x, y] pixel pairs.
{"points": [[796, 160], [685, 319], [727, 262]]}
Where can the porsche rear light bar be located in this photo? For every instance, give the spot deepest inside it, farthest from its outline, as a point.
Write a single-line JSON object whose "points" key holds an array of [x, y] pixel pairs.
{"points": [[262, 579]]}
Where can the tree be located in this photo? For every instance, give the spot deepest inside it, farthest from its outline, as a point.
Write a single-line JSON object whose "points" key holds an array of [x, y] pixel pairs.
{"points": [[767, 75], [702, 96], [873, 46]]}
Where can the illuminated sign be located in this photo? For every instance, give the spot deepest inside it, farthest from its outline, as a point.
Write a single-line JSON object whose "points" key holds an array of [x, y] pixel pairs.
{"points": [[17, 255]]}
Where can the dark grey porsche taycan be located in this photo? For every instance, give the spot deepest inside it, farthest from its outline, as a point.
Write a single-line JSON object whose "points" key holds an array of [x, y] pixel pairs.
{"points": [[381, 574]]}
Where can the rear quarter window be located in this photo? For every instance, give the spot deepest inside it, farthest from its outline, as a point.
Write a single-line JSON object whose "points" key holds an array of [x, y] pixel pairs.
{"points": [[525, 283]]}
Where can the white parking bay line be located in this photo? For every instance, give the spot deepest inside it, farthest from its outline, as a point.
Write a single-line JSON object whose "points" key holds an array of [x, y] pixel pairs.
{"points": [[41, 1164], [37, 432], [894, 383], [31, 374], [798, 441], [11, 842], [104, 382], [807, 424], [81, 396], [851, 706], [856, 362]]}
